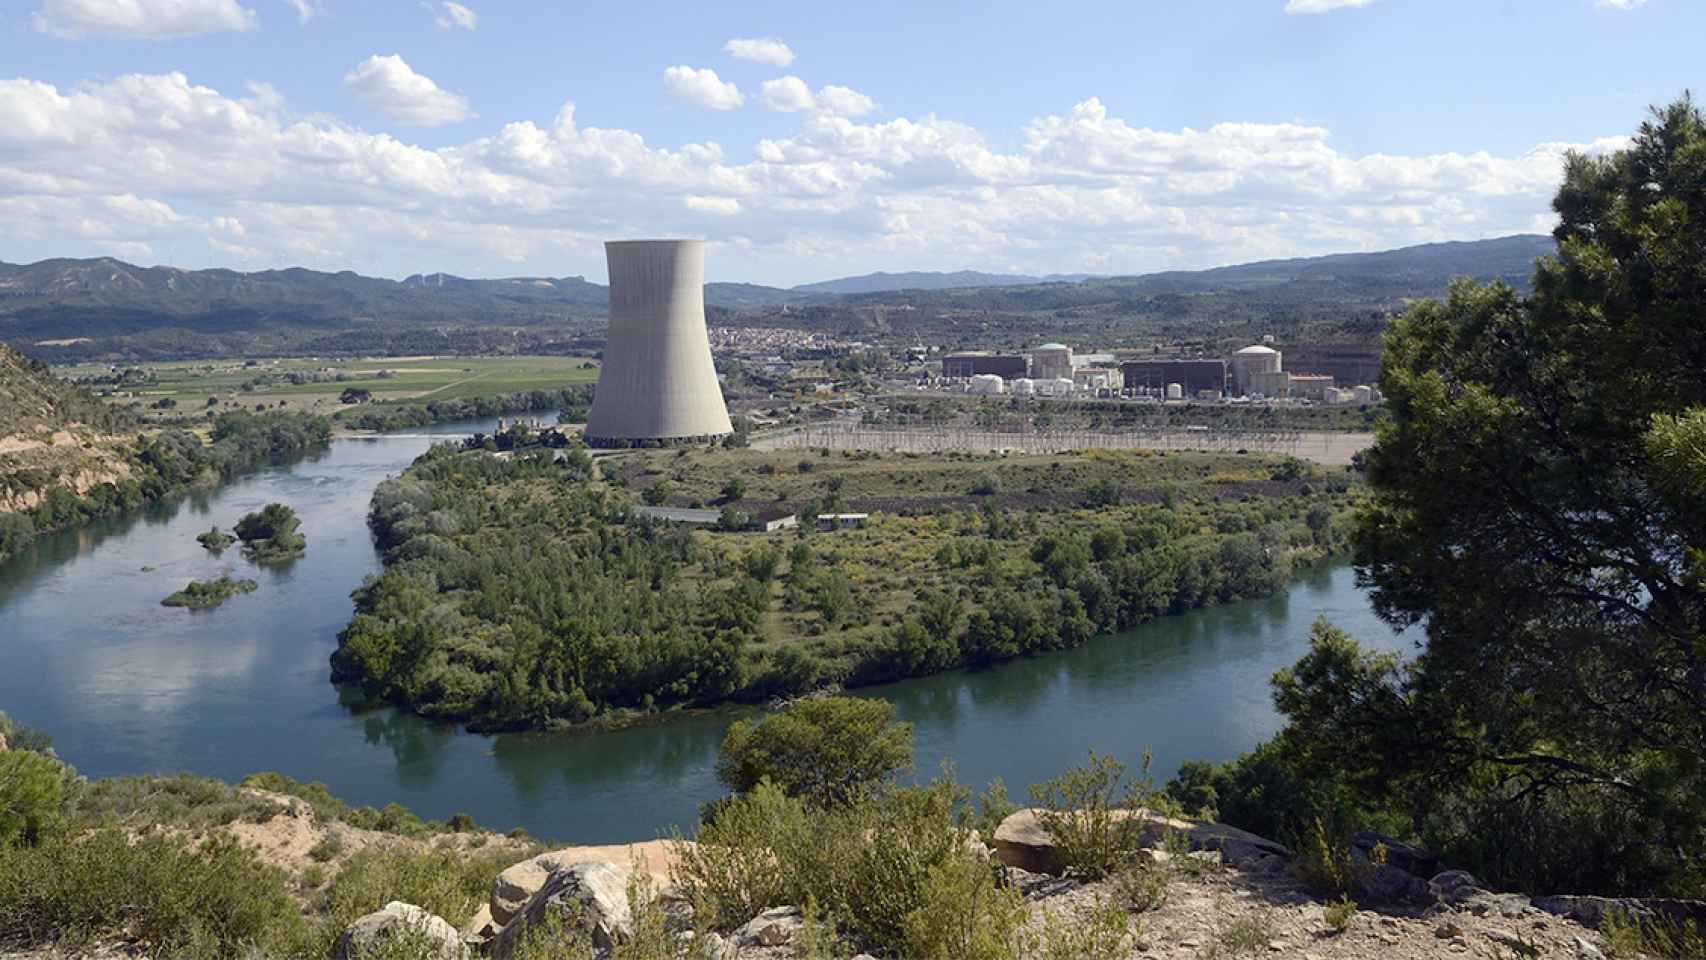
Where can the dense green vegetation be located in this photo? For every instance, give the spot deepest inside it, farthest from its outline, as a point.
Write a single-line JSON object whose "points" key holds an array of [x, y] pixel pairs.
{"points": [[828, 750], [207, 594], [215, 539], [1541, 507], [520, 593], [572, 402], [162, 464], [271, 534]]}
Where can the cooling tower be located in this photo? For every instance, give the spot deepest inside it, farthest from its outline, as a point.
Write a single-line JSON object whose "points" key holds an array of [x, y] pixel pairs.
{"points": [[657, 382]]}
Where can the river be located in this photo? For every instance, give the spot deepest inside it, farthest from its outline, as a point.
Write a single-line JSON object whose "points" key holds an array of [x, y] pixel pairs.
{"points": [[126, 686]]}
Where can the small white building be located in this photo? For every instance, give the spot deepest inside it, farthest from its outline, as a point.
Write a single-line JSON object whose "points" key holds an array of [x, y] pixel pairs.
{"points": [[1022, 387]]}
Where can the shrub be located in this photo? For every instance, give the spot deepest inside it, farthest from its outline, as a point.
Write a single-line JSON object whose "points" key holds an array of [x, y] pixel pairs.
{"points": [[829, 751], [208, 903], [1142, 887], [196, 803], [453, 886], [32, 795], [1096, 830], [1104, 932], [327, 848], [1339, 914], [1323, 861], [1628, 937], [963, 915], [733, 873], [1247, 936]]}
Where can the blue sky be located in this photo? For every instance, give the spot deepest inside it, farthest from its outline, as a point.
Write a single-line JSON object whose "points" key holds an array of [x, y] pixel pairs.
{"points": [[396, 137]]}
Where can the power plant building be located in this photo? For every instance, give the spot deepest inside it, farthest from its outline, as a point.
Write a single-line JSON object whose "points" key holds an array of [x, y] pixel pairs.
{"points": [[1194, 376], [1051, 361], [658, 384], [964, 366], [1251, 361]]}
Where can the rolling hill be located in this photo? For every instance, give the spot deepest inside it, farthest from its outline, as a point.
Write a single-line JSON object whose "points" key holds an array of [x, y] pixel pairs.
{"points": [[79, 309]]}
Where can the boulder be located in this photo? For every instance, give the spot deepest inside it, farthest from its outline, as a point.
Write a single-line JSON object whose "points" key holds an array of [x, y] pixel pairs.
{"points": [[1022, 841], [367, 935], [1386, 885], [516, 884], [480, 927], [1452, 886], [591, 896], [1410, 859], [772, 928], [1592, 911]]}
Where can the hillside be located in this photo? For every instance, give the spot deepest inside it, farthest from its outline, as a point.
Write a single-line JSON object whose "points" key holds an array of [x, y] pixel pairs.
{"points": [[53, 434], [67, 310]]}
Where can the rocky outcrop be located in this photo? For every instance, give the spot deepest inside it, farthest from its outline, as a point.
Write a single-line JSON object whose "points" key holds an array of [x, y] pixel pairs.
{"points": [[1593, 911], [515, 885], [589, 896], [1022, 841], [772, 928], [429, 935]]}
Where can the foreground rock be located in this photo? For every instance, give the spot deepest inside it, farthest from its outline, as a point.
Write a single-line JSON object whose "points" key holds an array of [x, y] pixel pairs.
{"points": [[1022, 841], [517, 884], [429, 935], [589, 896]]}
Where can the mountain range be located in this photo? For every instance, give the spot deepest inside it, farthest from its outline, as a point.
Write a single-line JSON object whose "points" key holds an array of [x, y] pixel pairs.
{"points": [[67, 308]]}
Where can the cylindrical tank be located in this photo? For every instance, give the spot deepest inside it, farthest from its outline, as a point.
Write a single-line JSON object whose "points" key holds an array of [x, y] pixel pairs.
{"points": [[1175, 391], [1253, 360], [658, 381]]}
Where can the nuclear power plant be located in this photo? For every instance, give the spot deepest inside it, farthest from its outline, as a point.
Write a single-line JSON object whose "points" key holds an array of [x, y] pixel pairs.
{"points": [[657, 385]]}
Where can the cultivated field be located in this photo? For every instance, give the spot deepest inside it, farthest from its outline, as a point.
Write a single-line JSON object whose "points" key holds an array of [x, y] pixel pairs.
{"points": [[316, 384]]}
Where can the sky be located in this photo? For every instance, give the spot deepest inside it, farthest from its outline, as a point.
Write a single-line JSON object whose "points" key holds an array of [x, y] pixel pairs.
{"points": [[806, 141]]}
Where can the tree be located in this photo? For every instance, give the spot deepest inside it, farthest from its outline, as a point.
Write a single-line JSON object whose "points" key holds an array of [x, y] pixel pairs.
{"points": [[32, 791], [271, 534], [1539, 508], [829, 751]]}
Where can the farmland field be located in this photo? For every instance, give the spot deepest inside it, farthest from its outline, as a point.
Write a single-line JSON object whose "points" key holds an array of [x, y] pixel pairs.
{"points": [[316, 385]]}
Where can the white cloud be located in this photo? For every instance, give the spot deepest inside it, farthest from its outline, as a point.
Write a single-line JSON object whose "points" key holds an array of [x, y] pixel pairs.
{"points": [[786, 95], [1618, 4], [845, 102], [157, 163], [141, 19], [768, 50], [721, 206], [454, 16], [305, 9], [388, 84], [702, 87], [1323, 6]]}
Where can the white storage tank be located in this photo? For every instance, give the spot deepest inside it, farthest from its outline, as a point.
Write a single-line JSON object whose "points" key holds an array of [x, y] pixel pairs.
{"points": [[1175, 391], [987, 385], [1362, 393], [1023, 387]]}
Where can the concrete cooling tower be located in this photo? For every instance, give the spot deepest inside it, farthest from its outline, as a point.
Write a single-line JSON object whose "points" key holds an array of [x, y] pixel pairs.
{"points": [[657, 383]]}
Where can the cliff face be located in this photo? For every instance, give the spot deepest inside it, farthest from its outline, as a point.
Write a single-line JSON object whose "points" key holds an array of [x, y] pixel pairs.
{"points": [[53, 434]]}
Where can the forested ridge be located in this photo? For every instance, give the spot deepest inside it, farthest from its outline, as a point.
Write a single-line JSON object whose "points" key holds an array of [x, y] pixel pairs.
{"points": [[522, 593]]}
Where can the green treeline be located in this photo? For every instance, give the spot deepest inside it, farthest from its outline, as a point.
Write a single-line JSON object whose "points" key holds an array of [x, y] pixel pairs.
{"points": [[518, 593], [573, 401], [170, 462]]}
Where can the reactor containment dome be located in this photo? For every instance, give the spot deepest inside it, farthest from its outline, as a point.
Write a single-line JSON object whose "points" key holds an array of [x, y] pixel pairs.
{"points": [[658, 384]]}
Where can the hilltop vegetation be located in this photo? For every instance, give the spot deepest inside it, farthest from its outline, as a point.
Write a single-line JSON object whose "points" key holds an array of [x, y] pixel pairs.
{"points": [[522, 593]]}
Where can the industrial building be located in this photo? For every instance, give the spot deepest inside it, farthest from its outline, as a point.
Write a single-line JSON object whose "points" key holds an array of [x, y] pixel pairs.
{"points": [[964, 366], [1249, 362], [658, 384], [1269, 383], [1051, 361], [1193, 376], [1311, 386], [1347, 363]]}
